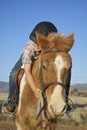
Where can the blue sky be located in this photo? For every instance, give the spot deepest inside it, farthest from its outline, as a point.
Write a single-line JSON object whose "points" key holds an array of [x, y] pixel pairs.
{"points": [[18, 17]]}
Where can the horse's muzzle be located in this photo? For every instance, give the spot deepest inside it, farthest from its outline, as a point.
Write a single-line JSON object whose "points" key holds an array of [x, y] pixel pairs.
{"points": [[57, 113]]}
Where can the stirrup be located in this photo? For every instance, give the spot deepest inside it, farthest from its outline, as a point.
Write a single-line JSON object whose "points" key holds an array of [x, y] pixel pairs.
{"points": [[69, 106]]}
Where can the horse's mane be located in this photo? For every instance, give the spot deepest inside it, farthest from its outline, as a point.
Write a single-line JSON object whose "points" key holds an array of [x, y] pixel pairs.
{"points": [[55, 41], [60, 41]]}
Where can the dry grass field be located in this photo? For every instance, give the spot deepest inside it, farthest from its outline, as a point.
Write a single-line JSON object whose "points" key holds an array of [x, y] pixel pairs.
{"points": [[76, 120]]}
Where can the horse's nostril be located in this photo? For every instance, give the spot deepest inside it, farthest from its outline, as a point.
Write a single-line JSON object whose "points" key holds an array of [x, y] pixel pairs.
{"points": [[51, 108]]}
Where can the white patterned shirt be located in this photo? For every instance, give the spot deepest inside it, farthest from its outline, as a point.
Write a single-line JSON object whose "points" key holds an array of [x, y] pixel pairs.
{"points": [[28, 53]]}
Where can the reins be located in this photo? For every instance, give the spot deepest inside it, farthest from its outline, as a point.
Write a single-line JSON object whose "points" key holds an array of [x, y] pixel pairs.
{"points": [[43, 99]]}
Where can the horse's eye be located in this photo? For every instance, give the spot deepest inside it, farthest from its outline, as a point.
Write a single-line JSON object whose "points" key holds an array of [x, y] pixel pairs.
{"points": [[44, 67]]}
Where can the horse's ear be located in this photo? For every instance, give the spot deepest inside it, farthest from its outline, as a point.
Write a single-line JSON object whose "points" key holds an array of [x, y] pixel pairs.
{"points": [[42, 41], [70, 41]]}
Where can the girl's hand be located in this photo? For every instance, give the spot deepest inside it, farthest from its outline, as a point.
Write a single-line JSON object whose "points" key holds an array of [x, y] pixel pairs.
{"points": [[37, 92]]}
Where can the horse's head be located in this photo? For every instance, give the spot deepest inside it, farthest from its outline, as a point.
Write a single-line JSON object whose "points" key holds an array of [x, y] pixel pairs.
{"points": [[55, 68]]}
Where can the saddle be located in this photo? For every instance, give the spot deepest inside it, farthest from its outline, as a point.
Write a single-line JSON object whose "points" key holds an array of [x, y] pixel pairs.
{"points": [[19, 76], [18, 80]]}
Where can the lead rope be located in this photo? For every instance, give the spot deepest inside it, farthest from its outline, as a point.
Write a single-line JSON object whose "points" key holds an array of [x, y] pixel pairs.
{"points": [[40, 110], [40, 105], [43, 119]]}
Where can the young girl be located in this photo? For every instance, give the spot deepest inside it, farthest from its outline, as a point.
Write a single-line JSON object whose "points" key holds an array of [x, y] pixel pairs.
{"points": [[31, 50]]}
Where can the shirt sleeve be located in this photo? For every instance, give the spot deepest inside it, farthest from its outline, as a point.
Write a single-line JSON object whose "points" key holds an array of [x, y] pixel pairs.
{"points": [[28, 53]]}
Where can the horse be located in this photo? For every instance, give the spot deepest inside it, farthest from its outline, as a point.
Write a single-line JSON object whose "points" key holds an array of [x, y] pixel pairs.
{"points": [[52, 74]]}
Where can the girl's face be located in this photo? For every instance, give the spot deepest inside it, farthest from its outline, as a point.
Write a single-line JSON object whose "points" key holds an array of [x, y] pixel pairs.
{"points": [[36, 47]]}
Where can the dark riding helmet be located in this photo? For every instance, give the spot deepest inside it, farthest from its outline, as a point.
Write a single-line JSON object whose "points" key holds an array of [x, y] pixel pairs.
{"points": [[43, 28]]}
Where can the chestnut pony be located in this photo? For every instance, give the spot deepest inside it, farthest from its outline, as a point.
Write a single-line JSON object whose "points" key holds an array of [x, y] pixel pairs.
{"points": [[51, 72]]}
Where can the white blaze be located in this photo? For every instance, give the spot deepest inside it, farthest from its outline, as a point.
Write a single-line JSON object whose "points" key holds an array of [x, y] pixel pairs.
{"points": [[57, 102], [60, 64]]}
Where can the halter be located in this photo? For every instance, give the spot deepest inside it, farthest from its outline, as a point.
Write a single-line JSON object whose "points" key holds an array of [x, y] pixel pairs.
{"points": [[44, 87]]}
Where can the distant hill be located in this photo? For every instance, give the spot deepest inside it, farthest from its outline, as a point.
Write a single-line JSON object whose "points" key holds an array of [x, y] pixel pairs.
{"points": [[80, 87], [4, 86]]}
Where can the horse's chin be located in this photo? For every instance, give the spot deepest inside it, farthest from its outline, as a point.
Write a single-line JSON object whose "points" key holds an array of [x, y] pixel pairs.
{"points": [[56, 114]]}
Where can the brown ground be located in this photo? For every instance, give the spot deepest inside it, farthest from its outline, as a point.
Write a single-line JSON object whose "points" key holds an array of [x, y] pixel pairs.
{"points": [[75, 120], [10, 125]]}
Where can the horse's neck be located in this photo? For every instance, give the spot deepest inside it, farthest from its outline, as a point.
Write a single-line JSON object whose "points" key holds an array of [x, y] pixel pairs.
{"points": [[36, 70]]}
